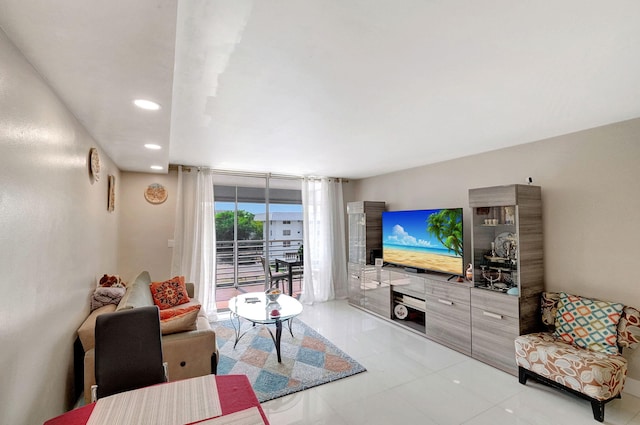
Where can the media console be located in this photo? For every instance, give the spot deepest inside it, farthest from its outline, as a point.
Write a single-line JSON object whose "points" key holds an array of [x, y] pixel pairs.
{"points": [[480, 318], [425, 303]]}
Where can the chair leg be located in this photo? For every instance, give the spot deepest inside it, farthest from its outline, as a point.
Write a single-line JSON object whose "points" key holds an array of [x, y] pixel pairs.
{"points": [[165, 367], [214, 364], [598, 410], [94, 393], [522, 375]]}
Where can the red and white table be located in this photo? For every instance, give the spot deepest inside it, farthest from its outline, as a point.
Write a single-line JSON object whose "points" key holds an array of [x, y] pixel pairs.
{"points": [[234, 391]]}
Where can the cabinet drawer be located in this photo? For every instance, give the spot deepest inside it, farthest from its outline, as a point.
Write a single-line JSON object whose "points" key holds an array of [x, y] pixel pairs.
{"points": [[494, 302], [493, 339], [449, 292], [449, 323], [379, 300]]}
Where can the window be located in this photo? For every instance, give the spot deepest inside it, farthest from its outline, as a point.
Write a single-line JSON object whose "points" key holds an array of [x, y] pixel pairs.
{"points": [[286, 222], [286, 244], [244, 230], [286, 232]]}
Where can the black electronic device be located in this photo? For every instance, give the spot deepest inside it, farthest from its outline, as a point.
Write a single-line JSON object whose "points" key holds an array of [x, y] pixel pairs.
{"points": [[422, 240]]}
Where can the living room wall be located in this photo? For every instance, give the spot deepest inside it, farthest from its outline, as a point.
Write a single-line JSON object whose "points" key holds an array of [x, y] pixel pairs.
{"points": [[57, 237], [590, 201], [145, 229]]}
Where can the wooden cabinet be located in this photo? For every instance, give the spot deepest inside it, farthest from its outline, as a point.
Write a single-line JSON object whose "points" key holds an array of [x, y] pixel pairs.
{"points": [[409, 293], [481, 318], [495, 325], [365, 236], [508, 269], [368, 290], [447, 315], [365, 230]]}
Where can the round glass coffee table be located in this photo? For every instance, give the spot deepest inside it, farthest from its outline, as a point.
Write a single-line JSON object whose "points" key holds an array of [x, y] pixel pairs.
{"points": [[257, 309]]}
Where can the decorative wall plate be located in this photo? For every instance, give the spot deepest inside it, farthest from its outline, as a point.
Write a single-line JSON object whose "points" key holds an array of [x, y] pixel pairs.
{"points": [[94, 163], [400, 311], [155, 193]]}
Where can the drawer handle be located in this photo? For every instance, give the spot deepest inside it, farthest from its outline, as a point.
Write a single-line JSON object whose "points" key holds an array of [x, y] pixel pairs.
{"points": [[494, 315], [447, 302]]}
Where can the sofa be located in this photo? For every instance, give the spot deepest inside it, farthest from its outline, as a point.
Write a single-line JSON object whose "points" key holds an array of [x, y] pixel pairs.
{"points": [[189, 347], [581, 352]]}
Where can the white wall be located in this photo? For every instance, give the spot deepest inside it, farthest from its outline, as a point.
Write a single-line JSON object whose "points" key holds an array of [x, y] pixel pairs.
{"points": [[56, 236], [590, 201], [145, 228]]}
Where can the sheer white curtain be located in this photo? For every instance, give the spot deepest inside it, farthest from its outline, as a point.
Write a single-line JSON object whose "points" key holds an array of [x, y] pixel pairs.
{"points": [[325, 264], [194, 251]]}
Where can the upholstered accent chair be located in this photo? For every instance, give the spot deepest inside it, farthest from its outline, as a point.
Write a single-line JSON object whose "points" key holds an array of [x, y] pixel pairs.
{"points": [[581, 352]]}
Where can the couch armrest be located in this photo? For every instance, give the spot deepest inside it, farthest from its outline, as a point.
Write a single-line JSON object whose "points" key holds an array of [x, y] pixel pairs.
{"points": [[86, 331]]}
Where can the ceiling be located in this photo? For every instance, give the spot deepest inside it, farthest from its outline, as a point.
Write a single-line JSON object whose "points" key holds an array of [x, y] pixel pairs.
{"points": [[347, 88]]}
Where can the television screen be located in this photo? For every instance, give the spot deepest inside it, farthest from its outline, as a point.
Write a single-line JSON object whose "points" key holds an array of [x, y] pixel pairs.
{"points": [[424, 239]]}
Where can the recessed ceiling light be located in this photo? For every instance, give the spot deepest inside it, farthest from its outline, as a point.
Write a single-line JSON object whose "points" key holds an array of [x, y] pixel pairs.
{"points": [[146, 104], [156, 167], [152, 146]]}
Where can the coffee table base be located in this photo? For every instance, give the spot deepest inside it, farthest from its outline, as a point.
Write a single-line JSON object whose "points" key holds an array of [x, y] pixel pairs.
{"points": [[276, 339]]}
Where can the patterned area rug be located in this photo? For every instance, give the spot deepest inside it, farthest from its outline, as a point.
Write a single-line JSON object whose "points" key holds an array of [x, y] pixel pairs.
{"points": [[308, 359]]}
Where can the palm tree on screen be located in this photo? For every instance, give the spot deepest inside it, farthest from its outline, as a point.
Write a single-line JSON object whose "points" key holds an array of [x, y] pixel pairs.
{"points": [[446, 226]]}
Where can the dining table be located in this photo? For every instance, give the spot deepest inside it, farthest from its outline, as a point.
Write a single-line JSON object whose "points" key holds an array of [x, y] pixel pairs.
{"points": [[235, 394], [289, 264]]}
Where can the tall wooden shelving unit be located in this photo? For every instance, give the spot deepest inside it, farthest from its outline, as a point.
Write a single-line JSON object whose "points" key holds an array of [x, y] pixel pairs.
{"points": [[508, 266], [365, 236]]}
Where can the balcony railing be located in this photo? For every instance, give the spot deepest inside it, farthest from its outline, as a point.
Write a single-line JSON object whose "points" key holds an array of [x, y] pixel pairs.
{"points": [[249, 269]]}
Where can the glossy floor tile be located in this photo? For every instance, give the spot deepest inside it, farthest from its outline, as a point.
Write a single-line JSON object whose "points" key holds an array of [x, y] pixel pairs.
{"points": [[411, 380]]}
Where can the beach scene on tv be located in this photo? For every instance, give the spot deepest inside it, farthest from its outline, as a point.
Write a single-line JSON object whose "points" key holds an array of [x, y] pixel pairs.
{"points": [[424, 239]]}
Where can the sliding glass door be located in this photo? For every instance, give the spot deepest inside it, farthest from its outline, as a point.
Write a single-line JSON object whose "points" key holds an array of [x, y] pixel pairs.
{"points": [[255, 217]]}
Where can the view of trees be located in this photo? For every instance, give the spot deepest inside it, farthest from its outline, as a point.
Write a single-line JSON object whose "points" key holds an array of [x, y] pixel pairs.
{"points": [[446, 226], [248, 229]]}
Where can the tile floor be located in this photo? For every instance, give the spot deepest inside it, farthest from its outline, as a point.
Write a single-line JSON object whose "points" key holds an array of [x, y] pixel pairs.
{"points": [[411, 380]]}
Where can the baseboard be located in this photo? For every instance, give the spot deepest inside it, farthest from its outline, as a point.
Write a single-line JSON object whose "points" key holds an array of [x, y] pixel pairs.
{"points": [[631, 386]]}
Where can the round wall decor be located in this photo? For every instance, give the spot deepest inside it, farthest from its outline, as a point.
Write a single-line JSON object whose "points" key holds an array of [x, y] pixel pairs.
{"points": [[94, 163], [155, 193]]}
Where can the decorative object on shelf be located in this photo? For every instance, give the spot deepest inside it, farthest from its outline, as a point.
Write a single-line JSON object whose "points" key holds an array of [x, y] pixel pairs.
{"points": [[400, 311], [509, 215], [111, 197], [470, 272], [155, 193], [491, 275], [94, 163]]}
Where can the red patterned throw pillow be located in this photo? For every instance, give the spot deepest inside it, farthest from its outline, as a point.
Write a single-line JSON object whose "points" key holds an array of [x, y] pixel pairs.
{"points": [[169, 293], [179, 319]]}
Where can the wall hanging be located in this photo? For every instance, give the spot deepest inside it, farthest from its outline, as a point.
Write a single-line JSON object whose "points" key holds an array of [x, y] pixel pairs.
{"points": [[155, 193]]}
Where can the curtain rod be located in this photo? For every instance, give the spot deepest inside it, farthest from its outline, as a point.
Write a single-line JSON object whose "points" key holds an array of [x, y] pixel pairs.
{"points": [[188, 168]]}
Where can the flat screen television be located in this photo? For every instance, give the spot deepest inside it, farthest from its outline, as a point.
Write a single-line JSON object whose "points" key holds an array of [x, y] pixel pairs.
{"points": [[424, 239]]}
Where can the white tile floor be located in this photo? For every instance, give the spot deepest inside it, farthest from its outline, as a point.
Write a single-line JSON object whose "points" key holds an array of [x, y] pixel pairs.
{"points": [[411, 380]]}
